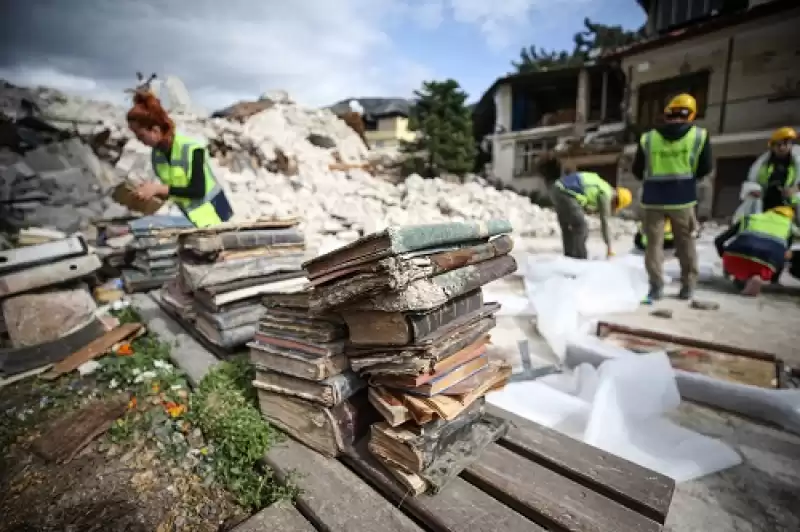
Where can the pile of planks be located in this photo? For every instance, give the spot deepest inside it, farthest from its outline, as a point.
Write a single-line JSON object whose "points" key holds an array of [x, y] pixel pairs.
{"points": [[304, 383], [225, 270], [418, 331]]}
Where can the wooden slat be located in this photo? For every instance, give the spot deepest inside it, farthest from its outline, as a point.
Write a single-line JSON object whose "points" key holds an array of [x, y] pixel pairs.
{"points": [[550, 499], [93, 349], [631, 485], [281, 516], [333, 498], [459, 507]]}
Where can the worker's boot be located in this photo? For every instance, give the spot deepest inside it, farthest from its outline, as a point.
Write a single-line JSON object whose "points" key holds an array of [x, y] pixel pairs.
{"points": [[753, 286], [655, 293], [686, 293]]}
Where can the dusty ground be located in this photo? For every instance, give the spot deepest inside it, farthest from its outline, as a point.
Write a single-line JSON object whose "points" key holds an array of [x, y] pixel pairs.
{"points": [[127, 486], [762, 493]]}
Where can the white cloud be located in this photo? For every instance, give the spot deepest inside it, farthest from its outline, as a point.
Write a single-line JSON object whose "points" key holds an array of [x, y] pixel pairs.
{"points": [[320, 51]]}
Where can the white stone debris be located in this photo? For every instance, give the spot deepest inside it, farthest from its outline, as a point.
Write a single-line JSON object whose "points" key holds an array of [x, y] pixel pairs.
{"points": [[277, 162]]}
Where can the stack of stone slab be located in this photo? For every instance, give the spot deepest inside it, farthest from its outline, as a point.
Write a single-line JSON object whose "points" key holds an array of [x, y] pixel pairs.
{"points": [[418, 329], [305, 386], [155, 252], [226, 269]]}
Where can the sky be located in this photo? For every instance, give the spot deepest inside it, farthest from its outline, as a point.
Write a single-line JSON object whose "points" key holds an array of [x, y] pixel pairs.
{"points": [[320, 51]]}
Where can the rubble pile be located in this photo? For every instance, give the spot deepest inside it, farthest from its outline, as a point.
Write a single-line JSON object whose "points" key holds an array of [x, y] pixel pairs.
{"points": [[281, 160]]}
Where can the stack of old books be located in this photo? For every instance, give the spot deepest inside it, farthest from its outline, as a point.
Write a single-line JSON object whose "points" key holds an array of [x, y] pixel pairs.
{"points": [[155, 251], [225, 270], [418, 331], [305, 386]]}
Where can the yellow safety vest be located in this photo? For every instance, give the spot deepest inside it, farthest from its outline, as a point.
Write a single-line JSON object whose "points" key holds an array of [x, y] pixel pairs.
{"points": [[176, 171]]}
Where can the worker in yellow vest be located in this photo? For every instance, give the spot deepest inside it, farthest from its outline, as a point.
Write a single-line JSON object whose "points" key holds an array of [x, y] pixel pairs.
{"points": [[670, 160], [640, 240], [759, 247], [776, 171], [181, 164], [579, 192]]}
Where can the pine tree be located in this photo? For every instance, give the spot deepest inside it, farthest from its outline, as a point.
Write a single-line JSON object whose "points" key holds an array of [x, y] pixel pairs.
{"points": [[443, 124]]}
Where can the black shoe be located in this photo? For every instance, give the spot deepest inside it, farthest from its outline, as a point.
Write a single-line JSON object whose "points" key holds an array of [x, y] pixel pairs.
{"points": [[686, 293], [655, 293]]}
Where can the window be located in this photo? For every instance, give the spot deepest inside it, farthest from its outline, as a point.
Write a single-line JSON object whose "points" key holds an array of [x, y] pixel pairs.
{"points": [[653, 97], [672, 13], [526, 153]]}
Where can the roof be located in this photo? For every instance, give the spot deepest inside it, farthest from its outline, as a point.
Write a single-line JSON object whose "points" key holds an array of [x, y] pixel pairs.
{"points": [[702, 28], [375, 106]]}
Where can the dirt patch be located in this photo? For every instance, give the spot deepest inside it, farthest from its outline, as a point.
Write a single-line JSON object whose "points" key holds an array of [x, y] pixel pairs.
{"points": [[132, 486]]}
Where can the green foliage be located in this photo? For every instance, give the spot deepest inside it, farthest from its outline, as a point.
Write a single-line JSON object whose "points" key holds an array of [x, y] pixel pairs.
{"points": [[223, 408], [444, 124], [593, 37]]}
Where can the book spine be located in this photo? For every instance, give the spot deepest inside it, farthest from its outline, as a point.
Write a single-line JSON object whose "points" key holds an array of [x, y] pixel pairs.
{"points": [[413, 238], [450, 260], [421, 325]]}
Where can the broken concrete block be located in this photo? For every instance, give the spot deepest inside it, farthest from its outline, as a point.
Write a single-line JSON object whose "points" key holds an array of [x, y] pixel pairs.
{"points": [[699, 304], [33, 319]]}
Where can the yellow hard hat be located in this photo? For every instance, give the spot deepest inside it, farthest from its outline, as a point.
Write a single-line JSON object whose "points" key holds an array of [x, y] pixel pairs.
{"points": [[682, 102], [784, 210], [624, 198], [781, 134]]}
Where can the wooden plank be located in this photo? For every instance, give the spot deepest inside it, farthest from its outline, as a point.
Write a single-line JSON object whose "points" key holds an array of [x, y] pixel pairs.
{"points": [[281, 516], [48, 274], [546, 497], [64, 439], [459, 507], [631, 485], [93, 349], [333, 498], [27, 257]]}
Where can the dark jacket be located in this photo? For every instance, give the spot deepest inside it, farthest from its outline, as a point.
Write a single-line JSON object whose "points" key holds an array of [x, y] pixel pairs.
{"points": [[672, 192]]}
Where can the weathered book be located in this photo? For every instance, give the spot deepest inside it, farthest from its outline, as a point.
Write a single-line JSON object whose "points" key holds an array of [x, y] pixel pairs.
{"points": [[329, 431], [322, 333], [227, 255], [235, 240], [397, 240], [445, 382], [136, 281], [427, 294], [299, 344], [427, 351], [296, 363], [469, 353], [392, 409], [460, 454], [219, 296], [196, 274], [395, 273], [159, 252], [328, 392], [157, 265], [416, 451], [296, 300], [367, 327], [228, 338], [245, 315]]}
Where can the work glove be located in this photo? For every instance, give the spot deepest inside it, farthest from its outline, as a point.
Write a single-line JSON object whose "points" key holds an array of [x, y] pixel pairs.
{"points": [[609, 253]]}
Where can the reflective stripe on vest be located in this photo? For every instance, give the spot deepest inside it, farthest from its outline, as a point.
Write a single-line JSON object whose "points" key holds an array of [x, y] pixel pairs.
{"points": [[667, 160], [769, 225], [765, 172], [667, 233], [176, 171], [586, 187]]}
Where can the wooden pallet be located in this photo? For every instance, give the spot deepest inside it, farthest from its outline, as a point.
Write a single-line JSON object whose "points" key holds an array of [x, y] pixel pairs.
{"points": [[534, 479]]}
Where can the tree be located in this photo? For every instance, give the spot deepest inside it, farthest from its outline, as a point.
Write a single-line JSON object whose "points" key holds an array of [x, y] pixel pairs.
{"points": [[594, 38], [443, 124]]}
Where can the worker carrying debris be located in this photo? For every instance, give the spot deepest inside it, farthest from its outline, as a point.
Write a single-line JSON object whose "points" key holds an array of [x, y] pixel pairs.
{"points": [[670, 160], [773, 176], [181, 163], [579, 192], [760, 247]]}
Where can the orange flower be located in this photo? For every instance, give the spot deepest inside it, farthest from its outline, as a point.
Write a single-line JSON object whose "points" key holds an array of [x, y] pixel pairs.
{"points": [[174, 409], [132, 403], [124, 350]]}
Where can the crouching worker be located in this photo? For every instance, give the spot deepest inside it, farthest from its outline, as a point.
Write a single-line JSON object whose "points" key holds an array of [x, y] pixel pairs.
{"points": [[640, 239], [180, 163], [577, 193], [758, 249]]}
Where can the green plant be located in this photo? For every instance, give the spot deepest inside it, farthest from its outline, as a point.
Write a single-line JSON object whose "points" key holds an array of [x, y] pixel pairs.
{"points": [[443, 123], [223, 408]]}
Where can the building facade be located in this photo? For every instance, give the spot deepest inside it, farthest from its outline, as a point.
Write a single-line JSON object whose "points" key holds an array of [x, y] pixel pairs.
{"points": [[388, 131]]}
